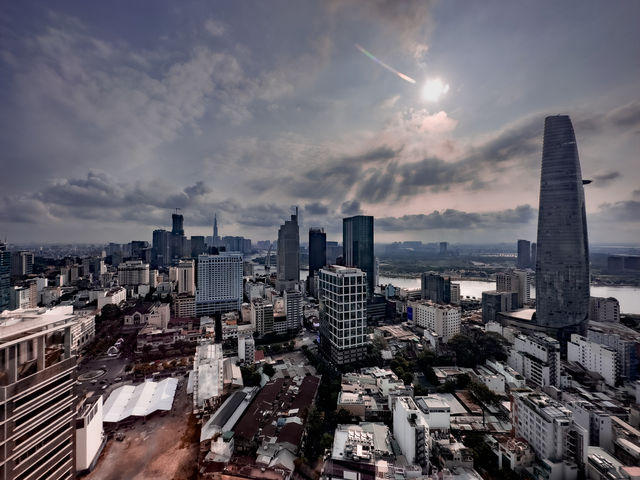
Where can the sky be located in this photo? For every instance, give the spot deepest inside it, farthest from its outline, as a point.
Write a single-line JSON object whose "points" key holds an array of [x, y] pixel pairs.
{"points": [[114, 114]]}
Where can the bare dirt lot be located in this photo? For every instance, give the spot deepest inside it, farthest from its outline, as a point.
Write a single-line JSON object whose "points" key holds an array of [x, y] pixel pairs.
{"points": [[163, 447]]}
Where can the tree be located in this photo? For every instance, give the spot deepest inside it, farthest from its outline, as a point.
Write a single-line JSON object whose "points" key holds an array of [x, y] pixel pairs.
{"points": [[466, 350], [407, 378], [268, 370]]}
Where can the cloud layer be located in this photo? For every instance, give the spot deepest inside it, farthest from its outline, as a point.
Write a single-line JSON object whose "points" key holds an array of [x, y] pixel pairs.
{"points": [[106, 128]]}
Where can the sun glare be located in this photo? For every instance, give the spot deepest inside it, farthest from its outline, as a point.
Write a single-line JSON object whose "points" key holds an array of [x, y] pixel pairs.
{"points": [[433, 89]]}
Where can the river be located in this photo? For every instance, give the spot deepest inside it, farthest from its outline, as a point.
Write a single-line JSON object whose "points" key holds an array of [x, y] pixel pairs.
{"points": [[629, 297]]}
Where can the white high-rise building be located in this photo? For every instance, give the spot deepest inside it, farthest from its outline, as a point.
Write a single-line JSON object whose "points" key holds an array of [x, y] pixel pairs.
{"points": [[293, 309], [246, 349], [133, 273], [262, 316], [411, 431], [443, 320], [594, 357], [219, 283], [537, 358], [186, 277], [343, 314], [548, 426]]}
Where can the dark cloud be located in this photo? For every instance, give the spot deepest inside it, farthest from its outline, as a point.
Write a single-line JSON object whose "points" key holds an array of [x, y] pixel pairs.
{"points": [[626, 116], [604, 179], [458, 220], [350, 208], [316, 208], [625, 211]]}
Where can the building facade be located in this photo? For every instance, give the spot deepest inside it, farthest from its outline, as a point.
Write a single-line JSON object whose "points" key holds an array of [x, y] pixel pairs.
{"points": [[537, 358], [604, 309], [219, 283], [562, 266], [435, 287], [443, 320], [357, 244], [262, 316], [343, 321], [37, 396], [288, 259], [186, 277], [133, 273], [594, 357], [518, 281], [5, 277], [524, 254]]}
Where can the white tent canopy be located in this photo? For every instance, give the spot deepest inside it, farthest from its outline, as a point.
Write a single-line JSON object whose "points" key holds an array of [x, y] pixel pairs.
{"points": [[141, 400]]}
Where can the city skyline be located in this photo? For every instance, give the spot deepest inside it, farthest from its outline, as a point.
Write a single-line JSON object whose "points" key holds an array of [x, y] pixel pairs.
{"points": [[238, 110]]}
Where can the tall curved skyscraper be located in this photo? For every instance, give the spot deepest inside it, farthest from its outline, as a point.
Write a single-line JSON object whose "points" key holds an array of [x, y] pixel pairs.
{"points": [[562, 263]]}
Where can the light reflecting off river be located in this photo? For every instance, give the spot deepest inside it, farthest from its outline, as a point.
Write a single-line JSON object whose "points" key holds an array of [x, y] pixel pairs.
{"points": [[629, 297]]}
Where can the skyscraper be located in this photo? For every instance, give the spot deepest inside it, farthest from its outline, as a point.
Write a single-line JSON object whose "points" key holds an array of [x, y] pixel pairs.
{"points": [[216, 236], [562, 269], [357, 244], [343, 319], [534, 255], [219, 283], [524, 254], [161, 250], [5, 277], [317, 250], [435, 287], [317, 256], [37, 397], [288, 273], [178, 224]]}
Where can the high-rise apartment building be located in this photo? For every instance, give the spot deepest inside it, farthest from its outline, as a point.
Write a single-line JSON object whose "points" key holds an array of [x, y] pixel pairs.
{"points": [[435, 287], [548, 426], [288, 272], [262, 316], [562, 267], [133, 273], [537, 358], [37, 397], [5, 277], [442, 320], [524, 254], [293, 309], [186, 277], [219, 283], [623, 340], [22, 263], [357, 244], [604, 309], [343, 319], [594, 357]]}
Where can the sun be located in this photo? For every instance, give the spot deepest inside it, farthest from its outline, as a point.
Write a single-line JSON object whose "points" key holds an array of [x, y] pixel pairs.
{"points": [[433, 89]]}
